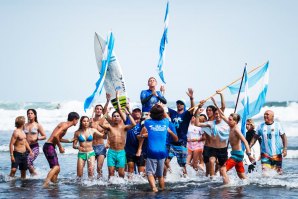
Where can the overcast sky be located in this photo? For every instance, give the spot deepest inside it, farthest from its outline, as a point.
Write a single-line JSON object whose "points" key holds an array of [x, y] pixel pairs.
{"points": [[47, 52]]}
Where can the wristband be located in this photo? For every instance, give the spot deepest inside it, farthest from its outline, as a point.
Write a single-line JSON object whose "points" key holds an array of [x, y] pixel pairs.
{"points": [[11, 154], [248, 154]]}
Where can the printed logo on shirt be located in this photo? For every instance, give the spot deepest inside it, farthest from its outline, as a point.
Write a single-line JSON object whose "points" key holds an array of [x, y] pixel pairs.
{"points": [[158, 127]]}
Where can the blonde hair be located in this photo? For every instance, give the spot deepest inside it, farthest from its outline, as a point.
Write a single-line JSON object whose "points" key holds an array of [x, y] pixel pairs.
{"points": [[20, 121], [251, 122]]}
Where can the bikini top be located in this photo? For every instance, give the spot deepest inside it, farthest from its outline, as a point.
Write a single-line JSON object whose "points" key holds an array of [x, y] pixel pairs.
{"points": [[34, 130], [82, 138]]}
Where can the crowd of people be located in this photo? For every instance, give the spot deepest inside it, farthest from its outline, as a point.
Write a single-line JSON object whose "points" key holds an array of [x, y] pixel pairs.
{"points": [[148, 137]]}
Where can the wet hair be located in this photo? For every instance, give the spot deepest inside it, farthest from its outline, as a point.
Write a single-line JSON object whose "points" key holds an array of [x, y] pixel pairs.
{"points": [[251, 122], [204, 116], [20, 121], [213, 108], [72, 116], [98, 105], [157, 112], [81, 121], [35, 113], [114, 113], [152, 78], [235, 116]]}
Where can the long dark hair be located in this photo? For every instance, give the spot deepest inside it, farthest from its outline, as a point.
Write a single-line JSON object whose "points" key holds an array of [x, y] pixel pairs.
{"points": [[81, 120], [35, 113]]}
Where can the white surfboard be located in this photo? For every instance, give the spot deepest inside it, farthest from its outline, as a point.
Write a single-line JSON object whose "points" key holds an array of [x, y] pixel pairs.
{"points": [[114, 78]]}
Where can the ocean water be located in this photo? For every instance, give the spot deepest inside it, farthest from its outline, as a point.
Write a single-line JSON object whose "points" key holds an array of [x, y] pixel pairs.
{"points": [[195, 186]]}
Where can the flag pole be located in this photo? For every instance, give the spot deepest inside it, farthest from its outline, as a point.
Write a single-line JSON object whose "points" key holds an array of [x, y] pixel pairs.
{"points": [[240, 89], [256, 68]]}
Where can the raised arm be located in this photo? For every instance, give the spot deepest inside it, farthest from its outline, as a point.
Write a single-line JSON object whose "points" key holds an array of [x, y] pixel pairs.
{"points": [[192, 102], [133, 122], [220, 111], [105, 108], [223, 103], [197, 121], [119, 109]]}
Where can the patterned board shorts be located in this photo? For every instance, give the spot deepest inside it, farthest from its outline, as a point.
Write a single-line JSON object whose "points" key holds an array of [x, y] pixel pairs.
{"points": [[51, 155]]}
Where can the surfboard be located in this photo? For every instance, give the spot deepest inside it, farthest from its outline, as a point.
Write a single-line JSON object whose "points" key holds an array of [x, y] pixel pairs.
{"points": [[114, 80]]}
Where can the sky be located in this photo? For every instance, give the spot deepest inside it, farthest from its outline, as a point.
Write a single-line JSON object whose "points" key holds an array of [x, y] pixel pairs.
{"points": [[47, 51]]}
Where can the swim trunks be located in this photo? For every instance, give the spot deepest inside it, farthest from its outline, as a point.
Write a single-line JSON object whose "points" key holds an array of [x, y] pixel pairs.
{"points": [[180, 152], [116, 158], [236, 161], [272, 162], [138, 160], [20, 160], [220, 153], [51, 155], [100, 150]]}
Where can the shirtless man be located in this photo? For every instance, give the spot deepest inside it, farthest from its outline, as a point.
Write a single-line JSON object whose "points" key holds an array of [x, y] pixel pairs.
{"points": [[32, 130], [212, 165], [116, 139], [17, 147], [237, 155], [215, 148], [55, 139], [98, 141]]}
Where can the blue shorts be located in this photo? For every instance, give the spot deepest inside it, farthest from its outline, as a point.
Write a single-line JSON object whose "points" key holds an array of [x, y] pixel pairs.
{"points": [[116, 158], [180, 152], [100, 150]]}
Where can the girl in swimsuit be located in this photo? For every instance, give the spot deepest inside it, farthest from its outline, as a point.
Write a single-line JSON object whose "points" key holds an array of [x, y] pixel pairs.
{"points": [[32, 129], [84, 135]]}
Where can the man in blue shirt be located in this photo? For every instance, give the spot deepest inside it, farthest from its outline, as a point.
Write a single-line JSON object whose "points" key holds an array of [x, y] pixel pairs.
{"points": [[151, 96], [156, 130], [181, 119], [132, 143]]}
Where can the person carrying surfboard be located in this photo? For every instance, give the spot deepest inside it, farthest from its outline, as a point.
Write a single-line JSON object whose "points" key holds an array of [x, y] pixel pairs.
{"points": [[151, 96]]}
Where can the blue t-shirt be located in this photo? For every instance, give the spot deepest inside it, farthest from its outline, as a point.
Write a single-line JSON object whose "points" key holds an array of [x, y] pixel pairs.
{"points": [[157, 137], [132, 142], [153, 100], [181, 122]]}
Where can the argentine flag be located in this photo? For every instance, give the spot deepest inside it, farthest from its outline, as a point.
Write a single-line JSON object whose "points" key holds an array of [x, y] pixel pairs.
{"points": [[162, 48], [103, 71], [256, 95]]}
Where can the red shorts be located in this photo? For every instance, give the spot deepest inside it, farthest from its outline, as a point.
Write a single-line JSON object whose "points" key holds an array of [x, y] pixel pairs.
{"points": [[230, 163]]}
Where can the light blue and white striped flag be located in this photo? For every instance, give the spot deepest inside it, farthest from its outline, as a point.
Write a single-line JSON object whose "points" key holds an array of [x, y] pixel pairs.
{"points": [[257, 86], [162, 48], [105, 64]]}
